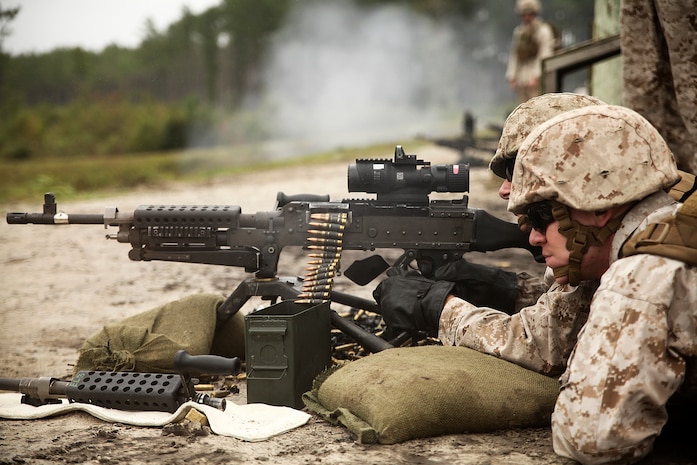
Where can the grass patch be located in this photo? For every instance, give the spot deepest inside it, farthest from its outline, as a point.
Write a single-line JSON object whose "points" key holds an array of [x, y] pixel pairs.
{"points": [[81, 177]]}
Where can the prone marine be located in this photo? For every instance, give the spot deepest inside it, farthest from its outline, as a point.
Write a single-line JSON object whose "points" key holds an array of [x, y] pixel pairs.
{"points": [[591, 186]]}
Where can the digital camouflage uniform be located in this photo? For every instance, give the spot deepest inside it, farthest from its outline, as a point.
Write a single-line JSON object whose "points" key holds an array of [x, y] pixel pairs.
{"points": [[630, 357], [539, 337], [523, 119], [531, 44], [659, 56]]}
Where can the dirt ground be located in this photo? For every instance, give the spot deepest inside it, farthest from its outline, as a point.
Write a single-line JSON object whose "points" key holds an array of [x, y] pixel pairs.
{"points": [[62, 284]]}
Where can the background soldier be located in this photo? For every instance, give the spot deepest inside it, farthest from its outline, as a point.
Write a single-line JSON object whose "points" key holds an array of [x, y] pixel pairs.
{"points": [[533, 40]]}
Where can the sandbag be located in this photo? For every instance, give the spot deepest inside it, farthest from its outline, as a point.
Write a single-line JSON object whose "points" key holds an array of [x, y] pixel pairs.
{"points": [[147, 342], [415, 392]]}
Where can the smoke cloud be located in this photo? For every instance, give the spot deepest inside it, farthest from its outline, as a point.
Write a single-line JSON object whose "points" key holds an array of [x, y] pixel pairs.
{"points": [[343, 75]]}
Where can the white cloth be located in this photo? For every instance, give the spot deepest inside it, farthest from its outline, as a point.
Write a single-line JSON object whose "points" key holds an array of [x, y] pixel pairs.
{"points": [[251, 422]]}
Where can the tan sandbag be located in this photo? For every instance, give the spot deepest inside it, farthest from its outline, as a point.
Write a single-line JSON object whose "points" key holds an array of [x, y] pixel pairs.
{"points": [[417, 392], [147, 342]]}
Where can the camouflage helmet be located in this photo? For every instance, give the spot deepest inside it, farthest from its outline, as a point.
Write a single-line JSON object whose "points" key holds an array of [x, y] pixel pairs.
{"points": [[592, 159], [528, 6], [527, 116]]}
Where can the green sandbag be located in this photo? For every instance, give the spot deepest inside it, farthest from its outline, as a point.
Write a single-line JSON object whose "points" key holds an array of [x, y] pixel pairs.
{"points": [[147, 342], [415, 392]]}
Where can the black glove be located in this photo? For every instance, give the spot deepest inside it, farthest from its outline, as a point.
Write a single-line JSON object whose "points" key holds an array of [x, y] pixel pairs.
{"points": [[481, 285], [409, 302]]}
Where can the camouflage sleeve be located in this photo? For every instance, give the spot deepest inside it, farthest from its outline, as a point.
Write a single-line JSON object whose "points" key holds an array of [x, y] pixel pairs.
{"points": [[539, 337], [628, 362], [530, 288]]}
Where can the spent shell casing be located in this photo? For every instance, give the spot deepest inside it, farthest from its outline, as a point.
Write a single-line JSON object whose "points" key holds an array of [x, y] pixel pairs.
{"points": [[204, 387], [345, 347]]}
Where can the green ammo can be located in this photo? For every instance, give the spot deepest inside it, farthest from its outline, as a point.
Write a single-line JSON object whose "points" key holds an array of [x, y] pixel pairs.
{"points": [[287, 346]]}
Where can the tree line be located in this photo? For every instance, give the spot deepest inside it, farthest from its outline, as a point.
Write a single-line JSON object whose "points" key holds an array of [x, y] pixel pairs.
{"points": [[198, 72]]}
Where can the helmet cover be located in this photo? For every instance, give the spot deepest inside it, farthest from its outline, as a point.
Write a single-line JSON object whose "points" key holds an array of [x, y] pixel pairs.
{"points": [[591, 159], [527, 116]]}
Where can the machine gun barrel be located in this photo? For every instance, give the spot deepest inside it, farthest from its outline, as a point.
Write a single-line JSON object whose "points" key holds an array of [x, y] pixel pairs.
{"points": [[50, 215], [40, 218], [129, 390]]}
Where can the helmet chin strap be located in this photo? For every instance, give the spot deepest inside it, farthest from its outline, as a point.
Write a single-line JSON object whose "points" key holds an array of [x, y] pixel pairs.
{"points": [[579, 238]]}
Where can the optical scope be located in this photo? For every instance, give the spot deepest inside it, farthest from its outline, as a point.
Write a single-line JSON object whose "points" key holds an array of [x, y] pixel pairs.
{"points": [[406, 179]]}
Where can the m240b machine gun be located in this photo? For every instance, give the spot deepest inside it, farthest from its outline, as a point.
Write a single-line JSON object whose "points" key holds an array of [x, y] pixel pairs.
{"points": [[431, 233]]}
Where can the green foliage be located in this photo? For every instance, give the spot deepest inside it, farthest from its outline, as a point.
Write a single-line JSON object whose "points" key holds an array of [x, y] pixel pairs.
{"points": [[98, 127], [68, 178]]}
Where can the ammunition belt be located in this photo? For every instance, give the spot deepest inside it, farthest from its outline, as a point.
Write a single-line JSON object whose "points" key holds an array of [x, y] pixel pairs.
{"points": [[325, 239]]}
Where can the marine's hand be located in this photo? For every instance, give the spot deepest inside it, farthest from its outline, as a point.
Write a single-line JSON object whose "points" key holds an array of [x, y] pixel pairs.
{"points": [[409, 302], [481, 285]]}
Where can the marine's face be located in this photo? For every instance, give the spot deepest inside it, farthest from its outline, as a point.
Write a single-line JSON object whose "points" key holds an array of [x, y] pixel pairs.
{"points": [[505, 189], [544, 233]]}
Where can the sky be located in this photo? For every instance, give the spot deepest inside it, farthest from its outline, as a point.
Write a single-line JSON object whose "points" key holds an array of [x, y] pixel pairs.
{"points": [[43, 25]]}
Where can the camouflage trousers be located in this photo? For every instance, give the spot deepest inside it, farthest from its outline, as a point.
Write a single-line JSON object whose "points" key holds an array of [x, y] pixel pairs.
{"points": [[659, 50]]}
